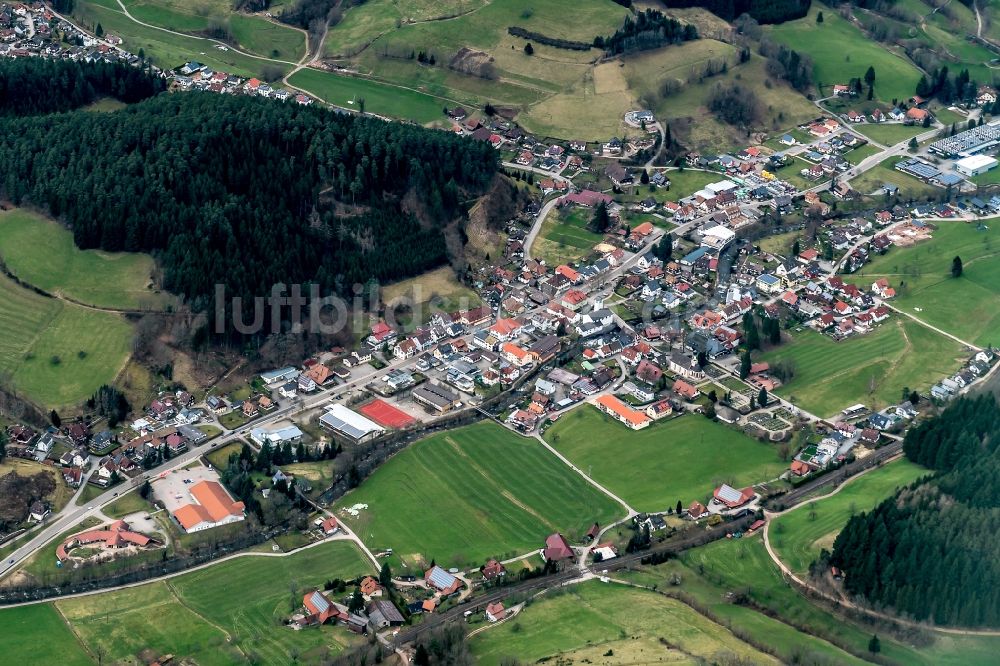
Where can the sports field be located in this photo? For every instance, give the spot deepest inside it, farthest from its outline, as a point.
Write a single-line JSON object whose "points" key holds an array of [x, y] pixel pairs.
{"points": [[679, 459], [798, 536], [871, 369], [462, 496], [610, 624], [380, 98], [840, 51], [385, 414], [967, 307], [55, 353], [41, 253], [564, 237]]}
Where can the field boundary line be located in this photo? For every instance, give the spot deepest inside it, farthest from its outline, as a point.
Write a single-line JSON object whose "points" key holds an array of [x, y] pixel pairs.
{"points": [[566, 461], [175, 574], [204, 39], [177, 597], [847, 604], [72, 630]]}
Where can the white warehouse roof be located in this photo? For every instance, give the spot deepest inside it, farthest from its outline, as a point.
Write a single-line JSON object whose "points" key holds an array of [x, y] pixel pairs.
{"points": [[974, 162], [348, 422]]}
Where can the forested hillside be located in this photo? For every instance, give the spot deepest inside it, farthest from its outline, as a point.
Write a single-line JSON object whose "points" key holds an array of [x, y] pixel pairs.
{"points": [[933, 550], [230, 190], [764, 11], [30, 86]]}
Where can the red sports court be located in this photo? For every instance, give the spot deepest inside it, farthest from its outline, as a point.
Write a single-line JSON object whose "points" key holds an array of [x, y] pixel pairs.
{"points": [[386, 415]]}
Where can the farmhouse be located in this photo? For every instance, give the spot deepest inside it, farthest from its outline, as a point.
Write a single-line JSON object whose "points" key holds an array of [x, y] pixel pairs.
{"points": [[732, 498], [348, 423], [495, 612], [442, 581], [212, 507], [556, 548]]}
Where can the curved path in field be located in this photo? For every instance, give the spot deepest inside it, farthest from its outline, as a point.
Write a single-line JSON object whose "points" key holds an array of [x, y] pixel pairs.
{"points": [[847, 603], [344, 536], [207, 39]]}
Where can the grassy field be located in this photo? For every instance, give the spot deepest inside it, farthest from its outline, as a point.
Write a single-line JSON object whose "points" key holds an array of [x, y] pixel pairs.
{"points": [[564, 236], [199, 615], [121, 624], [684, 183], [840, 51], [609, 624], [38, 635], [889, 134], [857, 155], [780, 244], [166, 49], [884, 172], [559, 92], [462, 496], [689, 117], [798, 536], [253, 34], [266, 585], [788, 643], [433, 291], [56, 353], [380, 98], [41, 252], [743, 565], [870, 369], [126, 505], [682, 459], [968, 307]]}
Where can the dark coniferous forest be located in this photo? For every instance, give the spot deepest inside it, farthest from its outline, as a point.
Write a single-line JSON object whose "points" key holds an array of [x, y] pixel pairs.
{"points": [[31, 86], [933, 551], [764, 11], [247, 192]]}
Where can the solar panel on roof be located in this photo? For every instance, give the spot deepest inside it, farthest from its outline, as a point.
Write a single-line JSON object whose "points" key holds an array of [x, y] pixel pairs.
{"points": [[729, 494], [320, 602], [441, 579]]}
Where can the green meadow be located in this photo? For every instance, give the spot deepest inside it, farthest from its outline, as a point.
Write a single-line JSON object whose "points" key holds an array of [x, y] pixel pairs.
{"points": [[798, 536], [610, 623], [462, 496], [872, 368], [840, 52], [230, 612], [41, 252], [967, 307], [679, 459]]}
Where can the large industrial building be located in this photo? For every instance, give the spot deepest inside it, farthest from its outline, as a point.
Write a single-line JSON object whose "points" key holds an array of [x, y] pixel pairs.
{"points": [[969, 142], [975, 165]]}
